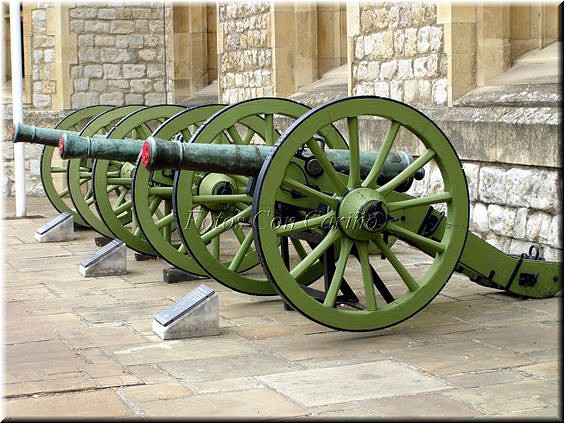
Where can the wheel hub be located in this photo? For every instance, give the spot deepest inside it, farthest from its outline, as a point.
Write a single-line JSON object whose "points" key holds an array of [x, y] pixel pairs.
{"points": [[217, 184], [362, 213]]}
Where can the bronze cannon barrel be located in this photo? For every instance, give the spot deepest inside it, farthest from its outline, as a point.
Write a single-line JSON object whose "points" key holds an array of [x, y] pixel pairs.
{"points": [[73, 146], [37, 135], [248, 159]]}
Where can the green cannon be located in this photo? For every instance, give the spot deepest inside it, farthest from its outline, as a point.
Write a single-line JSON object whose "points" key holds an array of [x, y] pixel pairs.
{"points": [[313, 231]]}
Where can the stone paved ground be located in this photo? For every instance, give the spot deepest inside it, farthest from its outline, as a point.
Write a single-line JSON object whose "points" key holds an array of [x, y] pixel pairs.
{"points": [[84, 347]]}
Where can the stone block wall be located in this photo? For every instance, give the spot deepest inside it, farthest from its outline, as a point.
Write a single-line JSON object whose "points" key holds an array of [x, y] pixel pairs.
{"points": [[121, 54], [33, 184], [42, 44], [399, 53], [244, 51], [511, 207]]}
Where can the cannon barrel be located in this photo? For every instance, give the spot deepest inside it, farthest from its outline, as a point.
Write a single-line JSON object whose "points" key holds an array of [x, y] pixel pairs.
{"points": [[74, 146], [37, 135], [248, 159], [220, 158]]}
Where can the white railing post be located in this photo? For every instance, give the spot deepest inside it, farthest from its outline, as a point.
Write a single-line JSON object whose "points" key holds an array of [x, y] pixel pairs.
{"points": [[17, 103]]}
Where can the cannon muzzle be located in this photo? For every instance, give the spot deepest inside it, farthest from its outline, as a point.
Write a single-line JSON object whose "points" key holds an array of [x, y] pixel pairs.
{"points": [[248, 159], [37, 135], [74, 146]]}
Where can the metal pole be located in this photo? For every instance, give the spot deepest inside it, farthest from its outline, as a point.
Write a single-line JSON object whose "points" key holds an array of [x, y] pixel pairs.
{"points": [[17, 103]]}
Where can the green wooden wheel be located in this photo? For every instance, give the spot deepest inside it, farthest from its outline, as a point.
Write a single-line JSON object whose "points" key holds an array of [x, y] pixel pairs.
{"points": [[115, 207], [216, 228], [79, 171], [376, 211], [152, 193], [50, 165]]}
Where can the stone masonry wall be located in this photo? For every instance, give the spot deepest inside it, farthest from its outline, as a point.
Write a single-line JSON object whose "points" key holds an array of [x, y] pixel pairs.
{"points": [[121, 54], [43, 56], [399, 53], [245, 57], [511, 207]]}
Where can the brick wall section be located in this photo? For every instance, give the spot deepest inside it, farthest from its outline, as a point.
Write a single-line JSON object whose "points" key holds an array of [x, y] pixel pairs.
{"points": [[399, 53], [245, 64], [121, 54], [43, 47]]}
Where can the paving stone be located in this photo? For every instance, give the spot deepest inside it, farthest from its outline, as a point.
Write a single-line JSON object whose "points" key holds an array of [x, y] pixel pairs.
{"points": [[546, 370], [358, 382], [521, 338], [458, 357], [346, 409], [341, 360], [150, 374], [158, 391], [195, 348], [204, 369], [88, 337], [121, 313], [103, 403], [118, 380], [551, 412], [490, 377], [330, 344], [47, 357], [227, 385], [256, 403], [52, 383], [493, 399], [419, 406]]}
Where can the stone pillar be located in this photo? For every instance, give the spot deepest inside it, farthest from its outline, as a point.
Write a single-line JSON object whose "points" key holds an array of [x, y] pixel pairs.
{"points": [[492, 42], [459, 28], [282, 23], [65, 55]]}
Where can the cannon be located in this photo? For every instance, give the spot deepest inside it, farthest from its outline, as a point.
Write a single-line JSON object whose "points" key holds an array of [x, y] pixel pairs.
{"points": [[331, 217], [73, 146]]}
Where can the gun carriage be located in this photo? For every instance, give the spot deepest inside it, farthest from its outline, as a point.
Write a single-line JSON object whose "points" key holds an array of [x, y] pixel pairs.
{"points": [[309, 202]]}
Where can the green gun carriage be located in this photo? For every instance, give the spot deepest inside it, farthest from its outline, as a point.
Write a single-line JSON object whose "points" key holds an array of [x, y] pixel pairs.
{"points": [[292, 204]]}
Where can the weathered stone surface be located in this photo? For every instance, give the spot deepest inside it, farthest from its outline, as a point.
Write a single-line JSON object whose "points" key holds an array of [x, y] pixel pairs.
{"points": [[312, 387]]}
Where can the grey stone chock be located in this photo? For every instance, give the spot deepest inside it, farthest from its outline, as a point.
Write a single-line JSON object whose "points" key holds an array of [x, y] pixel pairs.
{"points": [[194, 315], [109, 260], [61, 228]]}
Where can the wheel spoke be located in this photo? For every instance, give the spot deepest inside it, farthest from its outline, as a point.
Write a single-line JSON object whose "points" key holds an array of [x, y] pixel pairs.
{"points": [[241, 252], [162, 191], [401, 177], [337, 279], [314, 255], [235, 137], [326, 165], [402, 271], [202, 214], [428, 244], [389, 139], [226, 225], [239, 233], [302, 225], [443, 197], [300, 250], [63, 193], [121, 197], [248, 136], [354, 172], [166, 220], [123, 207], [57, 169], [269, 129], [182, 248], [310, 192], [367, 278]]}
